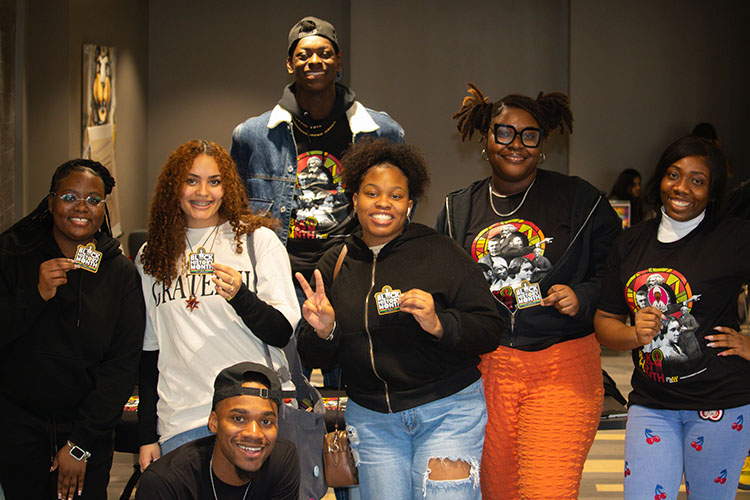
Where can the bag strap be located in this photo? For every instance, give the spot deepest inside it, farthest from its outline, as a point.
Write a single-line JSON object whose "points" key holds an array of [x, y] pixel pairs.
{"points": [[283, 373], [336, 269], [339, 262]]}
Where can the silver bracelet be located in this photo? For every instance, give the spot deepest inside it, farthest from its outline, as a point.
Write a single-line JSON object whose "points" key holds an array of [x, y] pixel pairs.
{"points": [[330, 335]]}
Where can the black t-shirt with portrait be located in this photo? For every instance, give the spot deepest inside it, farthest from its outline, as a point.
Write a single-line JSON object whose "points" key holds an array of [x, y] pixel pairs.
{"points": [[695, 282], [321, 213], [524, 245]]}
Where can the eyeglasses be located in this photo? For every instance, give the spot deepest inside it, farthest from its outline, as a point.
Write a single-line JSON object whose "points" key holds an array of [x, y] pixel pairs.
{"points": [[73, 199], [531, 137]]}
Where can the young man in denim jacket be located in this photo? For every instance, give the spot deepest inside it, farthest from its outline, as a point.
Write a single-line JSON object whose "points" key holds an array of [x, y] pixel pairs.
{"points": [[289, 157]]}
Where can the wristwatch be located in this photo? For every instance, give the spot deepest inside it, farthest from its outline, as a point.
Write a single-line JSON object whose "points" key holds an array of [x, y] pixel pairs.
{"points": [[78, 453]]}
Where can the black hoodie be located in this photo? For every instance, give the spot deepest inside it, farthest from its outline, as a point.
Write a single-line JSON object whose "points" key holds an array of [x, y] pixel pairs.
{"points": [[389, 363], [70, 361]]}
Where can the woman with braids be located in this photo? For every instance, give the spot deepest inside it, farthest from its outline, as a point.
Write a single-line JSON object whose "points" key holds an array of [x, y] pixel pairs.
{"points": [[405, 313], [73, 318], [544, 383], [218, 290], [690, 406]]}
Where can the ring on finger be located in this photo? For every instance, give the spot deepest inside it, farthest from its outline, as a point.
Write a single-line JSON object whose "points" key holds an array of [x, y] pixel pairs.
{"points": [[232, 282], [231, 289]]}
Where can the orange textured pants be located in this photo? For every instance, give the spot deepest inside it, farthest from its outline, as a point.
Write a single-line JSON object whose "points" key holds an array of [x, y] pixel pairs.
{"points": [[543, 410]]}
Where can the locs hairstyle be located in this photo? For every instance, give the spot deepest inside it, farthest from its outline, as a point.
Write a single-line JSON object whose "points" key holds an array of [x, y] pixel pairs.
{"points": [[476, 113], [690, 146], [166, 223]]}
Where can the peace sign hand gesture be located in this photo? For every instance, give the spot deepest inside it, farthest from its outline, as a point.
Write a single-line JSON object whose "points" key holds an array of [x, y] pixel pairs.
{"points": [[317, 310]]}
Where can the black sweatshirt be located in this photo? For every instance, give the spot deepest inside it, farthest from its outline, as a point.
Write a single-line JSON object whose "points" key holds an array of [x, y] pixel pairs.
{"points": [[408, 366], [74, 357]]}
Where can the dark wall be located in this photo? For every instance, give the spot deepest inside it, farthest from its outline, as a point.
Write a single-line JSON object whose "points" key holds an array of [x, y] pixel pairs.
{"points": [[639, 74]]}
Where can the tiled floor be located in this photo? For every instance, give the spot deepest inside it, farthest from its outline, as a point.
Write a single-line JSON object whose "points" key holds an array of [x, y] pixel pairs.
{"points": [[602, 474]]}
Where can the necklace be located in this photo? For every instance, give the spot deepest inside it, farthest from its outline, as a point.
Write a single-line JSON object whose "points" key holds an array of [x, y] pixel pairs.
{"points": [[298, 125], [492, 205], [213, 486], [192, 302]]}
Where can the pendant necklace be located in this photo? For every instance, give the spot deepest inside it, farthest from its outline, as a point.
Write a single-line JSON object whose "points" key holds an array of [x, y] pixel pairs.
{"points": [[492, 205], [192, 302], [213, 486]]}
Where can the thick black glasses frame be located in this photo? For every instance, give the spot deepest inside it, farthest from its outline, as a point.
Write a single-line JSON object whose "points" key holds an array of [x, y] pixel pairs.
{"points": [[517, 132]]}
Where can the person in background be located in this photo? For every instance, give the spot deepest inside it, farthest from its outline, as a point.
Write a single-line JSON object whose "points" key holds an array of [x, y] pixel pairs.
{"points": [[218, 290], [547, 365], [689, 408], [627, 187], [74, 318], [706, 130], [405, 316]]}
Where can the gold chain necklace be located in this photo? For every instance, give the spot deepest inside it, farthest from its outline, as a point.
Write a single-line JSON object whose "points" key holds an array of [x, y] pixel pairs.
{"points": [[192, 302], [492, 205], [298, 125]]}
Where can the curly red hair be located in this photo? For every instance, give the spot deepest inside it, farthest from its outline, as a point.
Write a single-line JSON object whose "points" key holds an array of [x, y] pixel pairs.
{"points": [[166, 222]]}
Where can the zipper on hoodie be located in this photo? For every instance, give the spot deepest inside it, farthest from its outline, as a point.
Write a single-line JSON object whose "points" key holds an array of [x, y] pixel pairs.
{"points": [[369, 337], [562, 257]]}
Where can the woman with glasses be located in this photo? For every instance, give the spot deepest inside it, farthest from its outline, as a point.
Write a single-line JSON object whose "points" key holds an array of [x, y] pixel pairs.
{"points": [[73, 318], [690, 405], [218, 289], [544, 383]]}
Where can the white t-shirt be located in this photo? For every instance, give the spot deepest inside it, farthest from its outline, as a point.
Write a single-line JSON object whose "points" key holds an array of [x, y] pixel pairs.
{"points": [[195, 346]]}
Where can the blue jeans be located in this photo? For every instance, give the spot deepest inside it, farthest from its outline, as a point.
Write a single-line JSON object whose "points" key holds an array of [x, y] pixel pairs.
{"points": [[184, 437], [393, 449], [708, 447]]}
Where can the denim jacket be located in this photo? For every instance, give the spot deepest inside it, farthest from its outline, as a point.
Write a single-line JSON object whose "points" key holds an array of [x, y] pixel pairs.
{"points": [[264, 150]]}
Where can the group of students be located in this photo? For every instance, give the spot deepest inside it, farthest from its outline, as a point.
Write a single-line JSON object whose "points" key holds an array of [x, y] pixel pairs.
{"points": [[461, 384]]}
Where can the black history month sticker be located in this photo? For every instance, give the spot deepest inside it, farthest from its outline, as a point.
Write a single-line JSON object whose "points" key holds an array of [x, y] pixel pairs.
{"points": [[201, 262], [88, 258], [388, 300], [528, 295]]}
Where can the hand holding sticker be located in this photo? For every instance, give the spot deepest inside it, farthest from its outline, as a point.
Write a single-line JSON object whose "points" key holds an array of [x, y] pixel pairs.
{"points": [[88, 258]]}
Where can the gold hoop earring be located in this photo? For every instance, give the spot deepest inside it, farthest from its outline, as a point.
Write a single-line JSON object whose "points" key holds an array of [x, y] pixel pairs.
{"points": [[485, 156]]}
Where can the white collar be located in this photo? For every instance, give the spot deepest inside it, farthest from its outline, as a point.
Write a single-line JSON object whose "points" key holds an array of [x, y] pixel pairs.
{"points": [[359, 119], [671, 230]]}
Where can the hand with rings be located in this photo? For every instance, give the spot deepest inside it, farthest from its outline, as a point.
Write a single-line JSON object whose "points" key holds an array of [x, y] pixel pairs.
{"points": [[226, 280]]}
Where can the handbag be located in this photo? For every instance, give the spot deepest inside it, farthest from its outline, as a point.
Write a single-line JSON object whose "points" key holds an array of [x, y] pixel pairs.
{"points": [[340, 467], [304, 428]]}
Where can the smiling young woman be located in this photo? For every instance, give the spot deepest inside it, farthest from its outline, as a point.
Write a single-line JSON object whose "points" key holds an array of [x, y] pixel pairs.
{"points": [[71, 340], [203, 317], [677, 278], [547, 234], [406, 333]]}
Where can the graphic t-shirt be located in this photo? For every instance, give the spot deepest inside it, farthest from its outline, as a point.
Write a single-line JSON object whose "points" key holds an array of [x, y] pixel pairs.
{"points": [[321, 210], [522, 247], [694, 281]]}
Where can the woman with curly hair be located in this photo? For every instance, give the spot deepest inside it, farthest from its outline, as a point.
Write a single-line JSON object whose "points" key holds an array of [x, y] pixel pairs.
{"points": [[73, 318], [218, 290], [405, 313], [544, 382]]}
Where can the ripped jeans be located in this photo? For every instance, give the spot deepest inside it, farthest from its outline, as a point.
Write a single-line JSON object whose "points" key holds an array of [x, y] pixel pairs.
{"points": [[393, 450]]}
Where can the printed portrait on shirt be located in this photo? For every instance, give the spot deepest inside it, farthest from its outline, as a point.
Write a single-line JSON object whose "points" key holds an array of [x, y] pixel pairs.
{"points": [[669, 354], [511, 253], [320, 203]]}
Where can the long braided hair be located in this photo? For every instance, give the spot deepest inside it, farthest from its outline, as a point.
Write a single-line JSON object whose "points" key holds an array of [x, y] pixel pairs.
{"points": [[41, 215], [476, 113]]}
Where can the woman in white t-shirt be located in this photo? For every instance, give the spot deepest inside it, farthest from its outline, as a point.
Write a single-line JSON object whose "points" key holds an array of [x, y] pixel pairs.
{"points": [[218, 291]]}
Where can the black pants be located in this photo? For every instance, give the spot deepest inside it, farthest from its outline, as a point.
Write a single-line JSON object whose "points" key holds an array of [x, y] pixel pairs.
{"points": [[26, 451]]}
